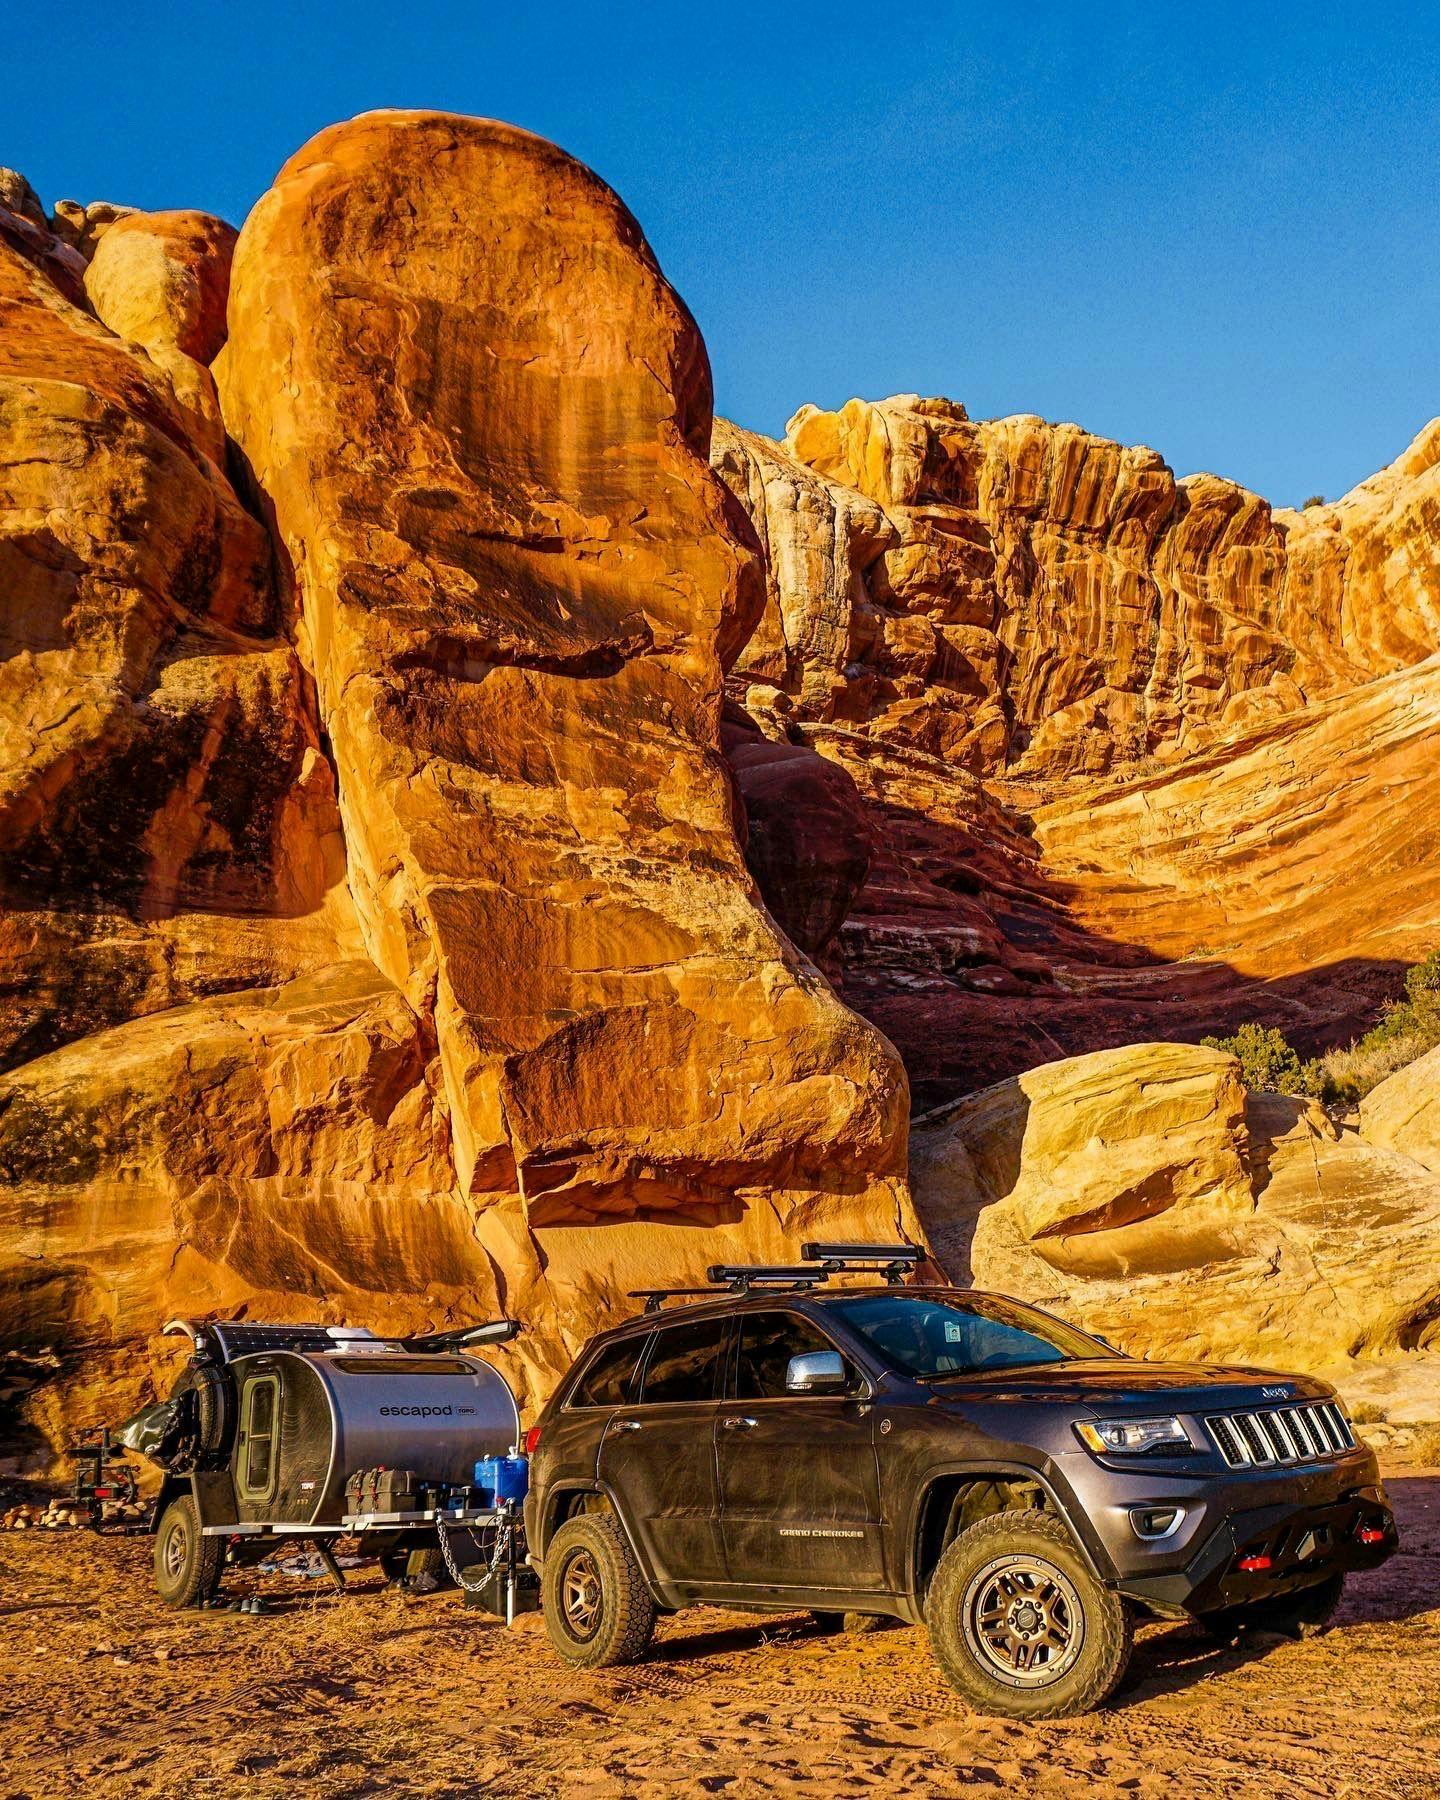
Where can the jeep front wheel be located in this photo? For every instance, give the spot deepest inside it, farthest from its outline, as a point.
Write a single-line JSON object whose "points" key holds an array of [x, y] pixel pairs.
{"points": [[598, 1611], [1020, 1626]]}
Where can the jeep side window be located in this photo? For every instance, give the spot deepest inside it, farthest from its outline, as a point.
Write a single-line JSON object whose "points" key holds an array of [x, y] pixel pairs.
{"points": [[685, 1362], [610, 1379], [767, 1342]]}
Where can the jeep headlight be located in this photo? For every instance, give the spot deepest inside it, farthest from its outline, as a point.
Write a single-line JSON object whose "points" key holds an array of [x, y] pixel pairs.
{"points": [[1132, 1437]]}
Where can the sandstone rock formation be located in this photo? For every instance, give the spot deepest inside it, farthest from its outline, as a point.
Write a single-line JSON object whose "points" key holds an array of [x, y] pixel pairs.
{"points": [[161, 280], [1040, 601], [1143, 1193], [1142, 757], [426, 792], [167, 821], [517, 603], [390, 932], [807, 837]]}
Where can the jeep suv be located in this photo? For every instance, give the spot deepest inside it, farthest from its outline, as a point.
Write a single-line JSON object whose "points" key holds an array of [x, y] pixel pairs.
{"points": [[940, 1457]]}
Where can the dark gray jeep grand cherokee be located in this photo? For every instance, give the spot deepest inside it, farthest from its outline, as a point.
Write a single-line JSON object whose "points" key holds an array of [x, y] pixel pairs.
{"points": [[940, 1457]]}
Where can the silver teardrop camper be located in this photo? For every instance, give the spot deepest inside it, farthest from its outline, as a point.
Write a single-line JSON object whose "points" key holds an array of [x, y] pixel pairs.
{"points": [[295, 1410], [314, 1431]]}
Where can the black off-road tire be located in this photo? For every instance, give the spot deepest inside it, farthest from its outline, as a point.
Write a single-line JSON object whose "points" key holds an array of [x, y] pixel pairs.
{"points": [[187, 1565], [1302, 1614], [853, 1624], [598, 1610], [1087, 1633]]}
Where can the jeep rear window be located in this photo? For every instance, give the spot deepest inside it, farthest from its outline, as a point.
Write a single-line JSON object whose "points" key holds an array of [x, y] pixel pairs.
{"points": [[610, 1379], [930, 1337]]}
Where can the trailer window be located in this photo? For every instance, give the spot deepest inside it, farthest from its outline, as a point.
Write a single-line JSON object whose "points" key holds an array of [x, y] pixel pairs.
{"points": [[257, 1462], [610, 1379]]}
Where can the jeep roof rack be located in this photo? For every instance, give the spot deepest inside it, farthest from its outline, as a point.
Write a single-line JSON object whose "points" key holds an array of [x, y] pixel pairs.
{"points": [[821, 1262], [893, 1261]]}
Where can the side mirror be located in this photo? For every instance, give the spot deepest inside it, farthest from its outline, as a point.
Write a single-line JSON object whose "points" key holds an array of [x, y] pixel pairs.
{"points": [[819, 1372]]}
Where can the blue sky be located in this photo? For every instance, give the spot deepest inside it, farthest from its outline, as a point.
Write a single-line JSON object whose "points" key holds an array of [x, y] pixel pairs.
{"points": [[1213, 230]]}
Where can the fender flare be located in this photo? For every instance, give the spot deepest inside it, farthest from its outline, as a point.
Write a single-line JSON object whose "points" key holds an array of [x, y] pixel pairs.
{"points": [[561, 1491], [1069, 1514]]}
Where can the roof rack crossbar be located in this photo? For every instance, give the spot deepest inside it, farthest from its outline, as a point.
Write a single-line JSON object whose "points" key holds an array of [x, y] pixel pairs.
{"points": [[655, 1298], [893, 1261], [821, 1262], [728, 1273]]}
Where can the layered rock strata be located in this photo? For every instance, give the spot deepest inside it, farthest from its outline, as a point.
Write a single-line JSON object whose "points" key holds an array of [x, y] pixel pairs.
{"points": [[1144, 1193]]}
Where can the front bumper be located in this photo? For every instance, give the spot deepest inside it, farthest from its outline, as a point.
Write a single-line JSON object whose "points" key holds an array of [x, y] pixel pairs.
{"points": [[1304, 1520], [1264, 1551]]}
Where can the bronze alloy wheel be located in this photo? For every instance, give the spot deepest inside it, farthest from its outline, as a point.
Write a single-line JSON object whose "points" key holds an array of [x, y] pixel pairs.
{"points": [[581, 1595], [598, 1610], [1023, 1620]]}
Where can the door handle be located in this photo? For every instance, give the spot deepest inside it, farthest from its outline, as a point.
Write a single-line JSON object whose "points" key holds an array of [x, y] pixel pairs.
{"points": [[736, 1423], [625, 1425]]}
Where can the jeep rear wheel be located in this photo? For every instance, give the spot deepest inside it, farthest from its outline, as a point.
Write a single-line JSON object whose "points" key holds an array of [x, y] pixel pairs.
{"points": [[187, 1564], [1020, 1626], [598, 1611]]}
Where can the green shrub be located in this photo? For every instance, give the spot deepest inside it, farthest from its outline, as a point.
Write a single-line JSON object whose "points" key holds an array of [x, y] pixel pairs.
{"points": [[1266, 1058], [1405, 1029], [1314, 500]]}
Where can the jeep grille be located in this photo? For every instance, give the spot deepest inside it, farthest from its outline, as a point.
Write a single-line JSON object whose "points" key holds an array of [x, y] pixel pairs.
{"points": [[1288, 1434]]}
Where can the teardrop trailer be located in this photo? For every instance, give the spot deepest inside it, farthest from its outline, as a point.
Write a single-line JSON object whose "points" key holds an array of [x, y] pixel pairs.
{"points": [[308, 1433]]}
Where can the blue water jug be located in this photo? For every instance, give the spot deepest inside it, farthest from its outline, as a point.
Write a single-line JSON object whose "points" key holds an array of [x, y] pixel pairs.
{"points": [[502, 1478]]}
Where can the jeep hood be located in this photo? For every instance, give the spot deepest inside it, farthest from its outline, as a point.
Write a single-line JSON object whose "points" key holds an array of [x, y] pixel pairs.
{"points": [[1118, 1385]]}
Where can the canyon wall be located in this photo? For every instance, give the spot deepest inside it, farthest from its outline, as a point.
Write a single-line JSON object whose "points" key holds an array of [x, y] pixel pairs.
{"points": [[1139, 757], [479, 834], [379, 942]]}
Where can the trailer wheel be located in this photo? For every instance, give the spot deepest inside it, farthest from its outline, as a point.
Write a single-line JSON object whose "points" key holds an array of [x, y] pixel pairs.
{"points": [[187, 1565], [598, 1610], [1020, 1625]]}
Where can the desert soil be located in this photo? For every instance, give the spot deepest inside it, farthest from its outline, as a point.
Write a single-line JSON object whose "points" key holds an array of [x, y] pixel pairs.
{"points": [[102, 1691]]}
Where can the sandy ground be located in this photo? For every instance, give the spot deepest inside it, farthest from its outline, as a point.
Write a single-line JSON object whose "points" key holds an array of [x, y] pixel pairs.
{"points": [[379, 1692]]}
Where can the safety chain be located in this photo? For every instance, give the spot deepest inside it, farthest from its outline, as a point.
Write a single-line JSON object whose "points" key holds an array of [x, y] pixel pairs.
{"points": [[503, 1532]]}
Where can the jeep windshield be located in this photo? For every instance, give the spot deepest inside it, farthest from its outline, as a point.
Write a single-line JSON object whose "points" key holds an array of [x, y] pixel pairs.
{"points": [[928, 1337]]}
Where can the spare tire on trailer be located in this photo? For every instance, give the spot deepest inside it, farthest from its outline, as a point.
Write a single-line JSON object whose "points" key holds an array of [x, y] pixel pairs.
{"points": [[208, 1393], [213, 1408], [187, 1564]]}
